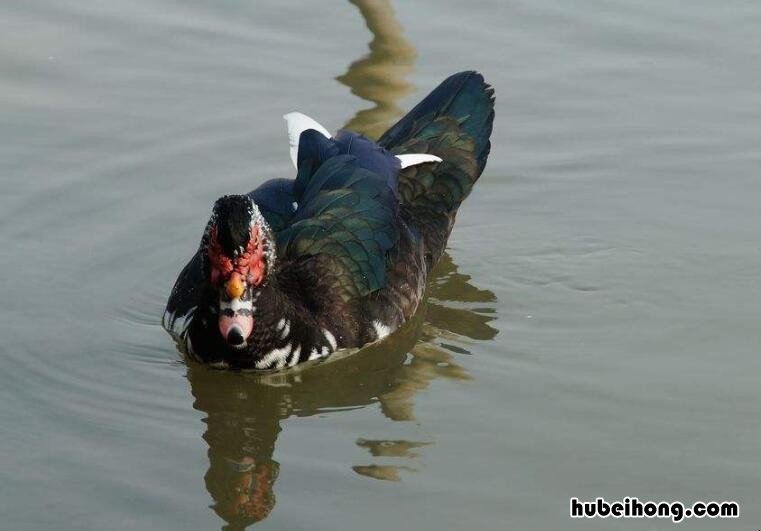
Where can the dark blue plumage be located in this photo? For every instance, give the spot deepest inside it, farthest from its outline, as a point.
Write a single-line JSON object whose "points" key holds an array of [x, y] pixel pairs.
{"points": [[345, 247], [464, 97], [349, 213], [314, 149], [275, 200], [369, 155]]}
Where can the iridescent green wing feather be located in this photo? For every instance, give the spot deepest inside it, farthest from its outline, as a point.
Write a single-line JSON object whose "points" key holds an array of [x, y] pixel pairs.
{"points": [[345, 225], [454, 123]]}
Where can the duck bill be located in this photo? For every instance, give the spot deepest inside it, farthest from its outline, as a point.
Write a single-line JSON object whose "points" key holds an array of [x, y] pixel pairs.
{"points": [[236, 321]]}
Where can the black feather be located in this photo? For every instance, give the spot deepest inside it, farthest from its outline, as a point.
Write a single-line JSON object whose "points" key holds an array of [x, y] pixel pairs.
{"points": [[233, 222]]}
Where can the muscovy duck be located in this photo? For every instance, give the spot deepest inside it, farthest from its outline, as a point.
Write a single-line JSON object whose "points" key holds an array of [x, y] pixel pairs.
{"points": [[337, 257]]}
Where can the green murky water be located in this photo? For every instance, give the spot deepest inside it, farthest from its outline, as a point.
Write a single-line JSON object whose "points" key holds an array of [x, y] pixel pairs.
{"points": [[592, 331]]}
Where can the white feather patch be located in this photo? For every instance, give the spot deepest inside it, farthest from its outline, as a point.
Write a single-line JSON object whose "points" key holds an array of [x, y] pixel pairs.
{"points": [[178, 325], [277, 356], [295, 356], [331, 338], [297, 123], [416, 158], [315, 354], [167, 321], [281, 363], [236, 305], [381, 330]]}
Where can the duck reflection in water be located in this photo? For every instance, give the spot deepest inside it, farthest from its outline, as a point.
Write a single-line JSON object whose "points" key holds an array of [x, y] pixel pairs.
{"points": [[244, 410], [379, 76]]}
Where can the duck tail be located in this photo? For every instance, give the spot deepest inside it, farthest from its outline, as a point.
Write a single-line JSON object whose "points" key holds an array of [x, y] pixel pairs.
{"points": [[454, 122]]}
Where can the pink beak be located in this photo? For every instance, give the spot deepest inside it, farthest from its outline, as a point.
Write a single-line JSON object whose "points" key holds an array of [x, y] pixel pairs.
{"points": [[235, 329]]}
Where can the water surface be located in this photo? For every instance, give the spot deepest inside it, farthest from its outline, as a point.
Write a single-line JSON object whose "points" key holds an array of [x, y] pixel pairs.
{"points": [[592, 331]]}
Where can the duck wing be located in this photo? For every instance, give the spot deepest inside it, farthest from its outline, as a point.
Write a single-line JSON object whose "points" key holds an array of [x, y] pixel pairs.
{"points": [[184, 300], [343, 230], [454, 122]]}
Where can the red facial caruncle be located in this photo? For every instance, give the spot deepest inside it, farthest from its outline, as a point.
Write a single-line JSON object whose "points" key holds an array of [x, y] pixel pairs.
{"points": [[246, 268]]}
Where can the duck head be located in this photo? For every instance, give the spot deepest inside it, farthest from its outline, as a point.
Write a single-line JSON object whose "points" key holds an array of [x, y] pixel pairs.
{"points": [[239, 255]]}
